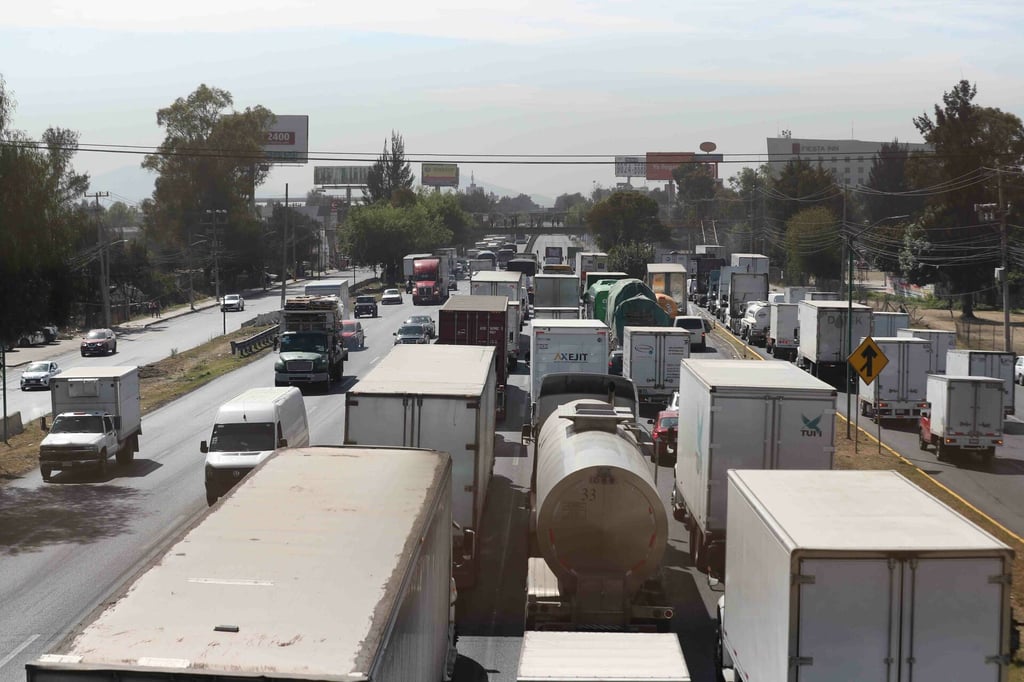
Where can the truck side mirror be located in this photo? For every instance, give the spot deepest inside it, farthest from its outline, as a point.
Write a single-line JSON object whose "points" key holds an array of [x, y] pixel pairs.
{"points": [[203, 447]]}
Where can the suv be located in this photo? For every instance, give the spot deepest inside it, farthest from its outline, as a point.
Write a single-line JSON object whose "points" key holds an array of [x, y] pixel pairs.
{"points": [[99, 342], [695, 325], [366, 305], [232, 302]]}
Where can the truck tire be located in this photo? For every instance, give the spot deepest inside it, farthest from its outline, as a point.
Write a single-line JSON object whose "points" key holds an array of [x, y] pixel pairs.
{"points": [[125, 455], [46, 472], [922, 443], [210, 498], [940, 451], [101, 466]]}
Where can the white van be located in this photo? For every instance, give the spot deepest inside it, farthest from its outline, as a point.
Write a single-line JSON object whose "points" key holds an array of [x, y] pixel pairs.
{"points": [[247, 429]]}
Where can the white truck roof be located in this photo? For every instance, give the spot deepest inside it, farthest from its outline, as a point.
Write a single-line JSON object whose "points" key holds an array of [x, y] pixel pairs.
{"points": [[498, 276], [601, 657], [93, 372], [485, 302], [430, 369], [569, 324], [858, 511], [834, 305], [743, 374], [323, 617]]}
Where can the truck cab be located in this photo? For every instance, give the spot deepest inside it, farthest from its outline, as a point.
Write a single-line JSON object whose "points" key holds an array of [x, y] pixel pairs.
{"points": [[309, 346], [78, 439]]}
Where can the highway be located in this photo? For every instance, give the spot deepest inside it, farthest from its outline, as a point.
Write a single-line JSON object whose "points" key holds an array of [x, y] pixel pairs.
{"points": [[67, 546]]}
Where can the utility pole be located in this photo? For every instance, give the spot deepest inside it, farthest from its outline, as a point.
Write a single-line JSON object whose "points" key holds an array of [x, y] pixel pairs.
{"points": [[104, 265], [284, 248], [1004, 248]]}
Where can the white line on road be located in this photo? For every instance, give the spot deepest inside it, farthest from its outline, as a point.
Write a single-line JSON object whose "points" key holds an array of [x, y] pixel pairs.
{"points": [[7, 659]]}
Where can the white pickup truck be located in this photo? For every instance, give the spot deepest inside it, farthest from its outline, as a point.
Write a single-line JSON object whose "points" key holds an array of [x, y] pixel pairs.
{"points": [[97, 414]]}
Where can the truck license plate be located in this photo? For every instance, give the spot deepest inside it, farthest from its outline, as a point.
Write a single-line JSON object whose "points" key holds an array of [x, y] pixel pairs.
{"points": [[972, 441]]}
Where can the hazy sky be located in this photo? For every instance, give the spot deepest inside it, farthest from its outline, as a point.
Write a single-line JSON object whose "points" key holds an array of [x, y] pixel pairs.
{"points": [[555, 77]]}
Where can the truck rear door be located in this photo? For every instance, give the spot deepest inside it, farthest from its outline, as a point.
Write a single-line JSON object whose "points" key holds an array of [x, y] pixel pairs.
{"points": [[952, 619], [846, 616], [802, 433]]}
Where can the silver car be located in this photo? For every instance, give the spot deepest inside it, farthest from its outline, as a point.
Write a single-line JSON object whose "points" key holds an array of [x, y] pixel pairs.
{"points": [[426, 320], [411, 333], [38, 375]]}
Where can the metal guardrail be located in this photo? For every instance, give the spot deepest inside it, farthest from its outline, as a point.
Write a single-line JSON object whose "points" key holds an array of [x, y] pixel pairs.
{"points": [[254, 343]]}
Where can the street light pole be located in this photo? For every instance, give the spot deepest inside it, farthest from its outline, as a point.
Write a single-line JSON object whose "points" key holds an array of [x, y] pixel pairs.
{"points": [[104, 266]]}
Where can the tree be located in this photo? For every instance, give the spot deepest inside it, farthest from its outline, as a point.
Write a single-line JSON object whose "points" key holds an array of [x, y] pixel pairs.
{"points": [[40, 225], [696, 188], [969, 141], [631, 258], [625, 217], [890, 188], [384, 233], [564, 202], [208, 161], [389, 172], [444, 210], [813, 245]]}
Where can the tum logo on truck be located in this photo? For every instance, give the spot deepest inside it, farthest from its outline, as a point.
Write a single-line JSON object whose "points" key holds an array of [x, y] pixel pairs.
{"points": [[571, 357], [811, 428]]}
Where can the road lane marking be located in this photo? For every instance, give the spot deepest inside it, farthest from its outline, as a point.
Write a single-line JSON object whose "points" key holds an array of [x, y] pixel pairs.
{"points": [[17, 650]]}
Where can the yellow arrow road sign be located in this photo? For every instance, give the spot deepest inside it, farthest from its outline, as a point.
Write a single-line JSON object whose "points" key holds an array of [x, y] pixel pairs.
{"points": [[868, 360]]}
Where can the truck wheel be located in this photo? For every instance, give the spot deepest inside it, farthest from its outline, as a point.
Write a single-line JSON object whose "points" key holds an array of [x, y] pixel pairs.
{"points": [[922, 443], [46, 472], [210, 498], [101, 466], [694, 544], [125, 456], [940, 451]]}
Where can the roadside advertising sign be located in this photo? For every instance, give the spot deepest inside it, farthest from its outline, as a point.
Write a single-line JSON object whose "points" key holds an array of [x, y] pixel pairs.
{"points": [[439, 174], [630, 166], [287, 140], [340, 175]]}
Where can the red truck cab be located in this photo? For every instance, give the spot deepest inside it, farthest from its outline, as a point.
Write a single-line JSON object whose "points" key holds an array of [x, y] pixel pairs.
{"points": [[429, 285]]}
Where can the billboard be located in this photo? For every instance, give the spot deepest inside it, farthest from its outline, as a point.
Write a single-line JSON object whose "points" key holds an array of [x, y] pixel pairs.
{"points": [[439, 174], [340, 175], [661, 164], [287, 140], [630, 166]]}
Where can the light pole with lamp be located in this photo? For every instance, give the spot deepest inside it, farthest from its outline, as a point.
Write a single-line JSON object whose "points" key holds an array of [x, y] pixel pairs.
{"points": [[850, 236]]}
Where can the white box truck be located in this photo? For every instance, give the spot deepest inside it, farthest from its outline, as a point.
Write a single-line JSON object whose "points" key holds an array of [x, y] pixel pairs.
{"points": [[556, 291], [942, 341], [97, 414], [825, 339], [650, 358], [986, 363], [965, 416], [796, 294], [555, 313], [885, 323], [441, 397], [407, 263], [749, 262], [326, 563], [737, 414], [744, 288], [899, 391], [566, 346], [551, 656], [507, 283], [783, 330], [856, 576]]}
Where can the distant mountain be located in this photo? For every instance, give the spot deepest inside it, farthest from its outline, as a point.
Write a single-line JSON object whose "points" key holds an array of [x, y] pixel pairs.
{"points": [[130, 184]]}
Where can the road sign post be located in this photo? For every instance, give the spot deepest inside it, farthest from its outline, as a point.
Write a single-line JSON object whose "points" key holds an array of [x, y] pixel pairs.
{"points": [[868, 361]]}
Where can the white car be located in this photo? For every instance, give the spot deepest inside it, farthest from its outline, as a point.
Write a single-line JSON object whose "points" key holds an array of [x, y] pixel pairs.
{"points": [[232, 302], [38, 375], [391, 296], [1018, 370]]}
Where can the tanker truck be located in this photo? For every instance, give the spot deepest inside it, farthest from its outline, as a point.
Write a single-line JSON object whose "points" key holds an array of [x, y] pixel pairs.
{"points": [[598, 529]]}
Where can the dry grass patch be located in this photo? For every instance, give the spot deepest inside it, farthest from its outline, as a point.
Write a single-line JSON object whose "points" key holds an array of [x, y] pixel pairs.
{"points": [[161, 382]]}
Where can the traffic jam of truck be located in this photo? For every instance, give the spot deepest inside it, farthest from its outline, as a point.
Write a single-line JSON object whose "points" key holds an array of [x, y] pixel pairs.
{"points": [[820, 574]]}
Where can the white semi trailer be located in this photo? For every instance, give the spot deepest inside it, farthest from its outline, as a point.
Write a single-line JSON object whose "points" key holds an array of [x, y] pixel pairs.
{"points": [[858, 576], [325, 563]]}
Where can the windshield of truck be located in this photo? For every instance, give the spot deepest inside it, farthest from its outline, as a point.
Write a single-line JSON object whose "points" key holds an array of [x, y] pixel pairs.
{"points": [[78, 424], [246, 437], [303, 343]]}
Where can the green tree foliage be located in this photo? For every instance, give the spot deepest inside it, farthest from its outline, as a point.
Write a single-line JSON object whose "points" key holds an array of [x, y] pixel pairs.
{"points": [[800, 185], [208, 161], [564, 202], [889, 188], [813, 245], [626, 217], [695, 189], [477, 202], [631, 258], [445, 210], [523, 203], [390, 172], [40, 225], [383, 233], [969, 141]]}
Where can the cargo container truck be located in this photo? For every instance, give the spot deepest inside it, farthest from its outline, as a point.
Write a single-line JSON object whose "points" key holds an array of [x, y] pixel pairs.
{"points": [[299, 573], [551, 656], [407, 263], [965, 416], [441, 398], [899, 391], [598, 565], [753, 263], [822, 296], [527, 266], [942, 342], [783, 331], [796, 294], [566, 347], [587, 263], [546, 313], [97, 414], [859, 575], [669, 279], [552, 255], [309, 346], [650, 359], [596, 298], [986, 363], [825, 341], [500, 283], [556, 291], [737, 414], [332, 287], [885, 323], [478, 321], [712, 250], [743, 288], [480, 265]]}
